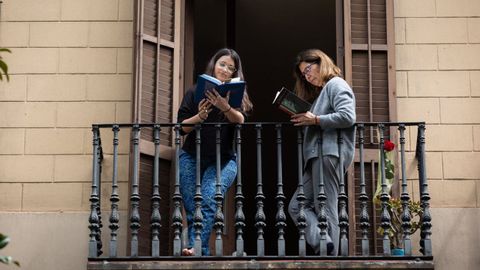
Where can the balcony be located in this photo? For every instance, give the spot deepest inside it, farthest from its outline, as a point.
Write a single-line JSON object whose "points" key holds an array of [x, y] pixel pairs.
{"points": [[252, 229]]}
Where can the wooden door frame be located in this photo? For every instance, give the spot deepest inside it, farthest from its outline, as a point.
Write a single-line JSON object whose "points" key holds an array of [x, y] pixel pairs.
{"points": [[344, 61]]}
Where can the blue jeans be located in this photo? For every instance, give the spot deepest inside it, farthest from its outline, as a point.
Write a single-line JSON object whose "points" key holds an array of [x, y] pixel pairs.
{"points": [[208, 181]]}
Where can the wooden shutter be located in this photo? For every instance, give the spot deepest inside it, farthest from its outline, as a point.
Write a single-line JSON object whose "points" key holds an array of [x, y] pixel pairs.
{"points": [[156, 96], [369, 68]]}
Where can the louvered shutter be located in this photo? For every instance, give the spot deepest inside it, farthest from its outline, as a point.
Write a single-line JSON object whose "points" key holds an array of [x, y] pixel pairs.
{"points": [[369, 68], [156, 97]]}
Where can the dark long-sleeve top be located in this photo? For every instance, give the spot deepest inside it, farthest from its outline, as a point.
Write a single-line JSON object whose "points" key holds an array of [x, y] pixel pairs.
{"points": [[189, 108], [336, 107]]}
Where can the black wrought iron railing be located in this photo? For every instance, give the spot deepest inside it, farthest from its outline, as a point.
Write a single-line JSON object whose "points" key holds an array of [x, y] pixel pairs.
{"points": [[274, 147]]}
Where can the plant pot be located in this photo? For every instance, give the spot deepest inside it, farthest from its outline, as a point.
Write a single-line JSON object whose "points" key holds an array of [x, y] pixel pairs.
{"points": [[398, 252]]}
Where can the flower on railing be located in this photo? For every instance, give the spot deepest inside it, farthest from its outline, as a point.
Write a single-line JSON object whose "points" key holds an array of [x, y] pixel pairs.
{"points": [[389, 172], [389, 167], [394, 206]]}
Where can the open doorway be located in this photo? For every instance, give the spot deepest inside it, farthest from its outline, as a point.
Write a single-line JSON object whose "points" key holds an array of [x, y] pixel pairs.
{"points": [[267, 34]]}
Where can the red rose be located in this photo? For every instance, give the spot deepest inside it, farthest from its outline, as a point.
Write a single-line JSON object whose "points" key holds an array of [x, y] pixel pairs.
{"points": [[388, 146]]}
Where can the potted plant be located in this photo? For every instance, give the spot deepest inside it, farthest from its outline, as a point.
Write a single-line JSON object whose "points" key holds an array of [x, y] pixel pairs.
{"points": [[6, 259], [394, 205], [396, 231], [3, 66]]}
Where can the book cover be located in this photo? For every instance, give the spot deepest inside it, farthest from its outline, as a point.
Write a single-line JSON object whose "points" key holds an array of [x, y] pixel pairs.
{"points": [[290, 103], [236, 87]]}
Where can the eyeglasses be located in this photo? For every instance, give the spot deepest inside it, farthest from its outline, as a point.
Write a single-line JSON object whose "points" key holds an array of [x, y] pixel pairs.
{"points": [[307, 69], [229, 69]]}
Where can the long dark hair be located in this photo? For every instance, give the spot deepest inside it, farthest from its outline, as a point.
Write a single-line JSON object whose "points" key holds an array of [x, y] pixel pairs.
{"points": [[328, 70], [246, 103]]}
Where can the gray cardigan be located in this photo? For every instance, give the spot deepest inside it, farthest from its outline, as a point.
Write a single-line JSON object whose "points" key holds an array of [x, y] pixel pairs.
{"points": [[336, 107]]}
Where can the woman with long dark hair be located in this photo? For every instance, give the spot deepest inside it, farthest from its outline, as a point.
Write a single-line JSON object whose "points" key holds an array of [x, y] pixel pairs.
{"points": [[224, 66]]}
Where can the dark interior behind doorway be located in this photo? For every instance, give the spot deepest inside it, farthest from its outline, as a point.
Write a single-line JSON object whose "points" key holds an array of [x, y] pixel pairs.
{"points": [[267, 34]]}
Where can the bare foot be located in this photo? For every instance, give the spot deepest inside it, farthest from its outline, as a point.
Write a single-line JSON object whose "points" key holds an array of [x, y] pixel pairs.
{"points": [[188, 252]]}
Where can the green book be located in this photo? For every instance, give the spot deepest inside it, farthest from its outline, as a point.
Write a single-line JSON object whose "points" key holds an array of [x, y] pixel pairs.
{"points": [[290, 103]]}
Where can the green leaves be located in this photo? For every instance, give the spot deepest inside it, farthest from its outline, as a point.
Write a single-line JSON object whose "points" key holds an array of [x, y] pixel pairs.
{"points": [[395, 209], [8, 260], [389, 173], [4, 240], [4, 66], [389, 169]]}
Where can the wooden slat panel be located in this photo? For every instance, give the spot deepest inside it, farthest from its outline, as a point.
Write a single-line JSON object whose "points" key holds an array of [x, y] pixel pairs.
{"points": [[163, 106], [380, 87], [148, 88], [168, 24], [359, 22], [165, 85], [378, 23], [150, 17], [378, 19], [146, 176], [360, 83]]}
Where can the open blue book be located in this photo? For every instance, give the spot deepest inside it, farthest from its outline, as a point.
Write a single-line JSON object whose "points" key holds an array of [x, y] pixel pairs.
{"points": [[236, 87]]}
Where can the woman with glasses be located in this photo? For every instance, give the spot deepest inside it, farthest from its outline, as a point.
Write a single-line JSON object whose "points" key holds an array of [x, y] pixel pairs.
{"points": [[224, 66], [333, 107]]}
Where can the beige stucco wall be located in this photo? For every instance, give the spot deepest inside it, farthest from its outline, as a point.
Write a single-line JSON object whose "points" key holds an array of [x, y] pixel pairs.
{"points": [[70, 66], [437, 63]]}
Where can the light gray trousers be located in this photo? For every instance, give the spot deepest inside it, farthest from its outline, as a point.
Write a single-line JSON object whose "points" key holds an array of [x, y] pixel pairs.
{"points": [[331, 172]]}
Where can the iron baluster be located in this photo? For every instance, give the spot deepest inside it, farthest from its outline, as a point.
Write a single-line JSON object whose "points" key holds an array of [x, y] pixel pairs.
{"points": [[177, 218], [114, 198], [198, 216], [94, 198], [260, 217], [342, 201], [364, 217], [99, 185], [281, 218], [384, 196], [135, 196], [302, 218], [155, 219], [322, 198], [405, 198], [426, 218], [239, 215], [219, 218]]}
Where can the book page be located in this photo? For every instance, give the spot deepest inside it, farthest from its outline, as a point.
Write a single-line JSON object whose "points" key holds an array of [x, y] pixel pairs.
{"points": [[236, 79], [290, 105], [276, 96], [211, 79]]}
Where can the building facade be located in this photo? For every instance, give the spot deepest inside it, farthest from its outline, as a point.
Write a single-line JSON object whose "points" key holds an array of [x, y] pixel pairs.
{"points": [[73, 64]]}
